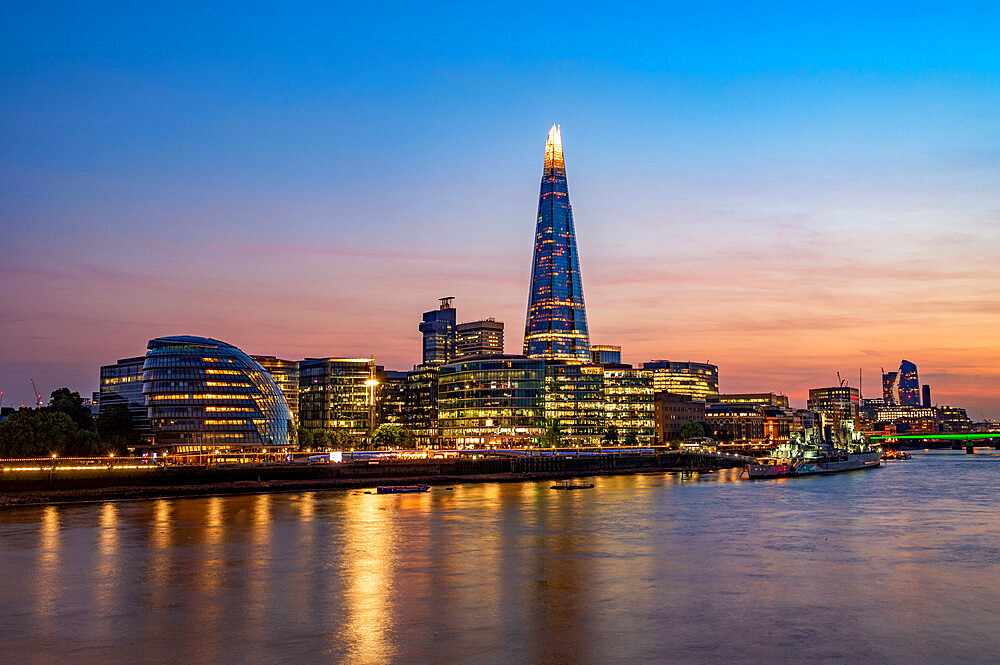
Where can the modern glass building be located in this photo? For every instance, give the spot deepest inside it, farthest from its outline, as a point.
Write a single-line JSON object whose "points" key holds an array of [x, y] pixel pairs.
{"points": [[890, 387], [909, 384], [438, 330], [420, 395], [333, 394], [556, 323], [286, 376], [496, 401], [479, 338], [698, 380], [605, 354], [574, 398], [121, 384], [205, 396], [628, 403], [755, 399]]}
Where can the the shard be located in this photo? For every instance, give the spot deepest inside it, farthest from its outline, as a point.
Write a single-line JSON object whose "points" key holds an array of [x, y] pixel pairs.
{"points": [[556, 326]]}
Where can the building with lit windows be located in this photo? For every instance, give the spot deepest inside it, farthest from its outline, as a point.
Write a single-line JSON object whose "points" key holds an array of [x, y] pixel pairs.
{"points": [[605, 354], [738, 425], [390, 397], [755, 399], [628, 403], [953, 419], [900, 412], [556, 323], [206, 397], [333, 394], [574, 399], [671, 412], [479, 338], [121, 384], [909, 384], [839, 408], [286, 376], [890, 388], [496, 401], [438, 330], [698, 380], [420, 411]]}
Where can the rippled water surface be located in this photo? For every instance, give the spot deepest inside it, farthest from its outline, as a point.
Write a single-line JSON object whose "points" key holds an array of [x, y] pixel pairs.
{"points": [[895, 565]]}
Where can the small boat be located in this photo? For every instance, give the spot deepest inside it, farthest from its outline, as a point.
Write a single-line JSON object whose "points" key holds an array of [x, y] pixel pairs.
{"points": [[890, 454], [401, 489], [568, 486]]}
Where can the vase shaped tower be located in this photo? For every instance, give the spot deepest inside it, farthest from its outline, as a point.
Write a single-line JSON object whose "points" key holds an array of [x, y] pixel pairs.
{"points": [[556, 325]]}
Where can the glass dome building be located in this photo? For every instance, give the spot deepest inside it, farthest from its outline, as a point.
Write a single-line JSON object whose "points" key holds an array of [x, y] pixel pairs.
{"points": [[203, 396]]}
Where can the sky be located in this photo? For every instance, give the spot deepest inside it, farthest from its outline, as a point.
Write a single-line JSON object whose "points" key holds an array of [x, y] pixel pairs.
{"points": [[787, 190]]}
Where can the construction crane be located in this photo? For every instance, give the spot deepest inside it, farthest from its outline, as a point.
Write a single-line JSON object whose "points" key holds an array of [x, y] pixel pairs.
{"points": [[38, 395], [843, 382]]}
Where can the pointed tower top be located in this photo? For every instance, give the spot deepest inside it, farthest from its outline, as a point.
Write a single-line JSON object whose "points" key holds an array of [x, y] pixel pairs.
{"points": [[553, 150]]}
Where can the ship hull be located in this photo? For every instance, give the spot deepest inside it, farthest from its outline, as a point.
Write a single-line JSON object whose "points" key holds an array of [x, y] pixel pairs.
{"points": [[854, 462]]}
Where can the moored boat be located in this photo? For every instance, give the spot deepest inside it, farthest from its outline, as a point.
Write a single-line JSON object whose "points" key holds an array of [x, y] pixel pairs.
{"points": [[570, 486], [401, 489], [801, 460]]}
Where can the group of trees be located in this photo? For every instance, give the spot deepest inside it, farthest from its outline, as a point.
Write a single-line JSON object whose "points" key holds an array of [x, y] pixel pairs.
{"points": [[66, 428], [385, 436], [553, 436]]}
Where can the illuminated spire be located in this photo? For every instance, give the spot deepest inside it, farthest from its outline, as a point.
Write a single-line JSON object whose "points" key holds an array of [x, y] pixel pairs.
{"points": [[554, 151]]}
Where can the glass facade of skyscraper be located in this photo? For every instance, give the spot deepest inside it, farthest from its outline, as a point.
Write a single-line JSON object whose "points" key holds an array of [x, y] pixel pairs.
{"points": [[628, 403], [205, 395], [574, 398], [286, 376], [333, 394], [121, 384], [438, 331], [556, 324], [491, 401], [909, 384], [697, 380]]}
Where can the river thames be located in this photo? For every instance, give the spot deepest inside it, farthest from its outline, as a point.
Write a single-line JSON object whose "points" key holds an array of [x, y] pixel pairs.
{"points": [[895, 565]]}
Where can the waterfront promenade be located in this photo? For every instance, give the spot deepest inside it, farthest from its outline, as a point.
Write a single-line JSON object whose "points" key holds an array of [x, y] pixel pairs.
{"points": [[48, 482]]}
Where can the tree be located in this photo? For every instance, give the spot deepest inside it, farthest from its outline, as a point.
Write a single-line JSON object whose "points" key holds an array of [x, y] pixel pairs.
{"points": [[37, 433], [71, 404], [115, 432], [690, 430], [553, 434], [611, 435], [306, 440], [388, 436], [630, 439]]}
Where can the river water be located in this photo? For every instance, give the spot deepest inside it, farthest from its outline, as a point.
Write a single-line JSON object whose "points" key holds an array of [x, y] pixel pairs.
{"points": [[895, 565]]}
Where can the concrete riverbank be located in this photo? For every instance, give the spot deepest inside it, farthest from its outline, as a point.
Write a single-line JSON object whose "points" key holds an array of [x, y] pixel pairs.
{"points": [[54, 485]]}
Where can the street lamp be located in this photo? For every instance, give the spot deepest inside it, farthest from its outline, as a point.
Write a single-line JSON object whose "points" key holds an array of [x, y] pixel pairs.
{"points": [[371, 384]]}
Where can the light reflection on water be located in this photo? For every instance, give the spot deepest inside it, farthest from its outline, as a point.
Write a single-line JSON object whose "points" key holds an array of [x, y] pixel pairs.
{"points": [[897, 565]]}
